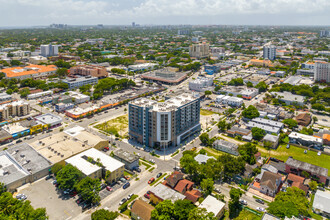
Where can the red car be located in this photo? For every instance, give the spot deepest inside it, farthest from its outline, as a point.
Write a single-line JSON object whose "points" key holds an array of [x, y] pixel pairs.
{"points": [[109, 188], [151, 180], [147, 196], [105, 148]]}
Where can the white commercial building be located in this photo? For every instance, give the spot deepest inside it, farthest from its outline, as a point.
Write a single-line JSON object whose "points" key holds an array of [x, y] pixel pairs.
{"points": [[49, 119], [95, 163], [289, 98], [199, 50], [80, 81], [200, 84], [229, 100], [40, 94], [269, 52], [78, 97], [322, 72], [305, 140], [37, 59]]}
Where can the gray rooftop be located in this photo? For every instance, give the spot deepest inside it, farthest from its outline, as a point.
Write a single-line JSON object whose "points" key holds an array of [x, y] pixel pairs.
{"points": [[48, 119], [4, 134], [307, 167], [10, 170], [28, 158], [267, 128], [226, 144], [271, 138], [322, 200], [267, 216], [125, 155], [289, 96], [163, 192], [268, 122]]}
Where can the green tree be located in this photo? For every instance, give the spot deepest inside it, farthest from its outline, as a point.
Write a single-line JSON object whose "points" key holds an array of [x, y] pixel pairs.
{"points": [[201, 214], [56, 168], [24, 92], [249, 84], [318, 107], [188, 162], [103, 214], [313, 185], [89, 189], [258, 133], [68, 177], [207, 186], [61, 72], [207, 93], [231, 165], [15, 62], [236, 82], [262, 86], [223, 126], [247, 151], [182, 208], [163, 210], [293, 202], [233, 204], [250, 112], [204, 138], [291, 123], [2, 188]]}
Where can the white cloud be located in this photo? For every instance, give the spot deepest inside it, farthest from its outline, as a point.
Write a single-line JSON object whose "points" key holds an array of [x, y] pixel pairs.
{"points": [[16, 12]]}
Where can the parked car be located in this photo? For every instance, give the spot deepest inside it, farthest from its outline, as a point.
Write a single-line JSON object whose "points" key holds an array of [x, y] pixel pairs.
{"points": [[21, 197], [123, 180], [127, 177], [79, 200], [106, 149], [260, 201], [260, 209], [152, 161], [122, 201], [243, 202], [103, 186], [126, 185], [147, 196], [67, 192], [151, 180], [159, 175], [19, 141], [109, 188], [48, 177], [130, 196]]}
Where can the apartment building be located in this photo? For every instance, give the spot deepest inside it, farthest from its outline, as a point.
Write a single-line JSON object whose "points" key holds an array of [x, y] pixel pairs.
{"points": [[89, 70], [16, 108], [199, 50], [269, 52], [164, 124], [322, 72], [49, 50]]}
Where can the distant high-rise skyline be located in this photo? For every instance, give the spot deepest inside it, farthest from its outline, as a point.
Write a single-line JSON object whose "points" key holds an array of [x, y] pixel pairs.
{"points": [[111, 12]]}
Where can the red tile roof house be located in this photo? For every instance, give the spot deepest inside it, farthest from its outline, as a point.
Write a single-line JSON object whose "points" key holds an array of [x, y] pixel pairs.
{"points": [[317, 173], [297, 181], [173, 179]]}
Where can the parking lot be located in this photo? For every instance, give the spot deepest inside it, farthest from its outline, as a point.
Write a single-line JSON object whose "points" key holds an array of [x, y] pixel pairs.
{"points": [[43, 194]]}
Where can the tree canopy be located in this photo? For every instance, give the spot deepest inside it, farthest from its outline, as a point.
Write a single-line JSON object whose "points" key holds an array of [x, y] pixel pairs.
{"points": [[89, 189], [293, 202], [258, 133], [250, 112], [68, 177], [247, 152], [291, 123], [103, 214]]}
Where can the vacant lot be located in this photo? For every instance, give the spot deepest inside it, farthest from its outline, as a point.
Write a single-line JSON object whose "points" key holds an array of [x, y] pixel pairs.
{"points": [[206, 112], [117, 126]]}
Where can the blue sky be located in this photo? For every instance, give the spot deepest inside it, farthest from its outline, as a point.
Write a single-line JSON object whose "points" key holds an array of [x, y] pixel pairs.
{"points": [[123, 12]]}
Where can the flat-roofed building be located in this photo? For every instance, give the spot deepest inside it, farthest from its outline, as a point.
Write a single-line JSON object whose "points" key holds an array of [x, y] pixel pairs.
{"points": [[63, 145], [80, 81], [5, 97], [16, 108], [201, 84], [321, 203], [267, 128], [21, 164], [161, 192], [289, 98], [306, 140], [213, 205], [95, 164], [49, 119], [164, 124], [226, 146], [317, 173], [268, 122], [166, 76], [229, 100], [30, 71], [89, 70], [79, 98], [130, 160]]}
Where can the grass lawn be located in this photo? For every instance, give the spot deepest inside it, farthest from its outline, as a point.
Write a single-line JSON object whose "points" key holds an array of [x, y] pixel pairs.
{"points": [[151, 169], [246, 215], [146, 165], [214, 153], [127, 212], [127, 174], [297, 153], [117, 126], [206, 112]]}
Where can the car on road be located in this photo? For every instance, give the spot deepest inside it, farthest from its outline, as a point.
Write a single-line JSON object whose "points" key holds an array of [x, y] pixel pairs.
{"points": [[260, 201], [122, 201], [260, 209], [243, 202], [109, 188], [126, 185], [159, 175], [151, 180], [130, 196]]}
